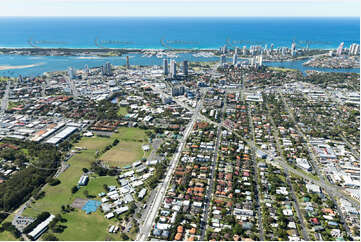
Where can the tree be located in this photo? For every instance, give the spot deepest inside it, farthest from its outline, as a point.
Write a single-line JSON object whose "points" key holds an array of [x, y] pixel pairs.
{"points": [[124, 236], [54, 182], [85, 170], [74, 189], [237, 229], [50, 237]]}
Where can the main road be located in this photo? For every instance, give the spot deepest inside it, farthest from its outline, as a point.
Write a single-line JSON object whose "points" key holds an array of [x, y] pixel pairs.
{"points": [[314, 163], [149, 219], [5, 99]]}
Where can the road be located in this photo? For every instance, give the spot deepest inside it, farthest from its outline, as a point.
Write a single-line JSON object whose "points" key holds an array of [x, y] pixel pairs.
{"points": [[5, 99], [257, 188], [212, 178], [298, 211], [299, 214], [314, 163], [147, 225]]}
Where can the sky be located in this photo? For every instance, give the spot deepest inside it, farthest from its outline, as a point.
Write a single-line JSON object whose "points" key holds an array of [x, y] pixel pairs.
{"points": [[182, 8]]}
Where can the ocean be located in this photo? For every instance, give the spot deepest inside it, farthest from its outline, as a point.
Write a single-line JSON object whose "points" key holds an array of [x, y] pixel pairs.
{"points": [[163, 33]]}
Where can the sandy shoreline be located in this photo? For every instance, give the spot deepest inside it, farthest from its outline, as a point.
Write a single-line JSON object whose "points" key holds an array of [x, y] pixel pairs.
{"points": [[7, 67]]}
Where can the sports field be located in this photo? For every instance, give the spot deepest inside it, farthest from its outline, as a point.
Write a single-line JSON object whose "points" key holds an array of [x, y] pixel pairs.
{"points": [[123, 154], [128, 150], [78, 223]]}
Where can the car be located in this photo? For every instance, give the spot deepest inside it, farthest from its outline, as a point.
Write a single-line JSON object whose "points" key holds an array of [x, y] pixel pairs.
{"points": [[144, 206]]}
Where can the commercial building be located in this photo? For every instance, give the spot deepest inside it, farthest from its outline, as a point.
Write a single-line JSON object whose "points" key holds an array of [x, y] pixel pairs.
{"points": [[107, 69], [185, 67], [165, 66], [339, 49], [41, 228], [235, 59], [222, 59], [178, 91], [71, 73], [173, 68], [127, 62]]}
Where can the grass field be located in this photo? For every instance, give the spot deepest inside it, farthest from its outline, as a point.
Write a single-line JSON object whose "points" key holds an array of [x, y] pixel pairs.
{"points": [[131, 134], [81, 226], [122, 111], [7, 235], [124, 153], [128, 150]]}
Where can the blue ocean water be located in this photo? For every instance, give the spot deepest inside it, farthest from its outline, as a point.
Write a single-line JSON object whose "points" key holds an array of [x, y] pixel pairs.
{"points": [[161, 32]]}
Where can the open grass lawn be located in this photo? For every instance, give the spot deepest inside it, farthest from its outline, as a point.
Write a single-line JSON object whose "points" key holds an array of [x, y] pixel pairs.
{"points": [[96, 185], [124, 153], [94, 143], [131, 134], [122, 111], [129, 149], [6, 236], [78, 224], [82, 226]]}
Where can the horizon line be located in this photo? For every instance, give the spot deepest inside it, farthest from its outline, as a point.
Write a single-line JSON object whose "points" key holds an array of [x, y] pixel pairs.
{"points": [[107, 16]]}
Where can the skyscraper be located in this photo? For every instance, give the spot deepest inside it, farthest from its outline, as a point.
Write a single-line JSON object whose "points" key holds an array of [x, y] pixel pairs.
{"points": [[107, 69], [173, 68], [251, 61], [222, 59], [127, 64], [224, 49], [293, 48], [71, 73], [354, 49], [20, 78], [185, 67], [236, 51], [86, 69], [244, 51], [339, 49], [235, 59], [260, 60], [165, 67]]}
